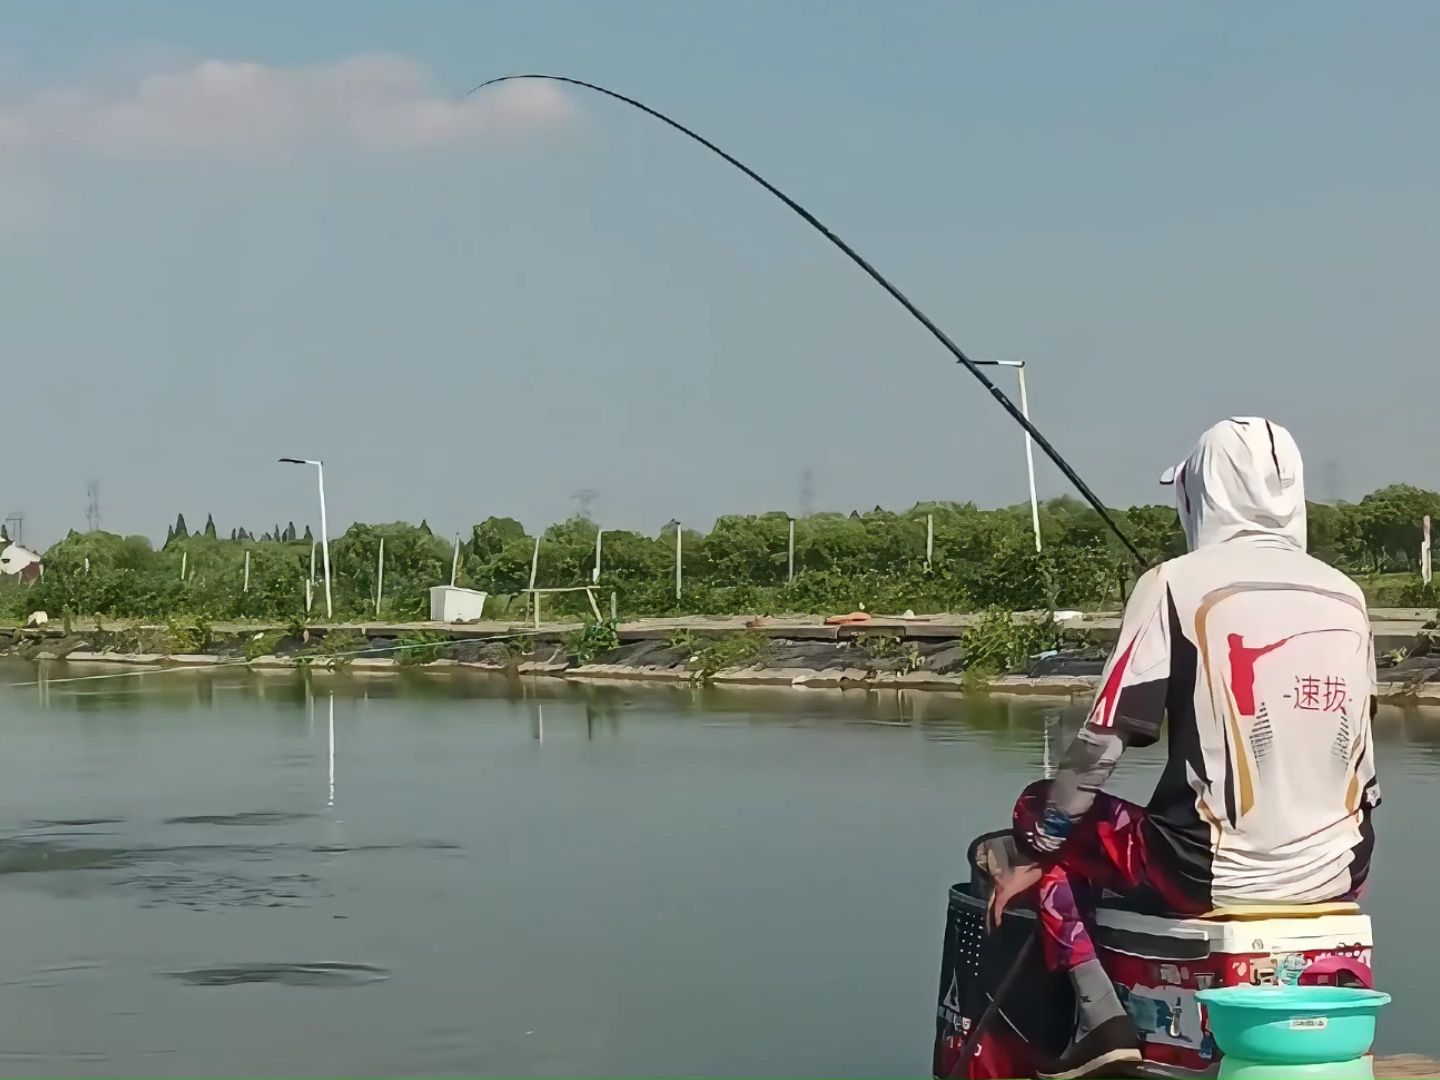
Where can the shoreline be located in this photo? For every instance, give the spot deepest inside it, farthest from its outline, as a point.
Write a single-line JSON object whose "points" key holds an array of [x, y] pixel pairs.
{"points": [[1068, 687], [931, 654]]}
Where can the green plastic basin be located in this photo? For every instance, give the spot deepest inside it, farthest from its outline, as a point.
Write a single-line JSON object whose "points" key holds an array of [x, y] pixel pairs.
{"points": [[1293, 1025]]}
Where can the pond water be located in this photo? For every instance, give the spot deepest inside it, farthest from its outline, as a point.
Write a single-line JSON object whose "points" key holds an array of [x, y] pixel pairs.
{"points": [[227, 873]]}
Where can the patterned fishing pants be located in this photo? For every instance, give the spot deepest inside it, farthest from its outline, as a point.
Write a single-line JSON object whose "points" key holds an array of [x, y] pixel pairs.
{"points": [[1109, 849]]}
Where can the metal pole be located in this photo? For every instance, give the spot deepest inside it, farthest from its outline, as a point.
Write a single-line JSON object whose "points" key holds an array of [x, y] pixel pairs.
{"points": [[595, 577], [1029, 457], [679, 558], [929, 539], [324, 539], [184, 562], [535, 563], [247, 573], [455, 562], [380, 577], [312, 562], [791, 574]]}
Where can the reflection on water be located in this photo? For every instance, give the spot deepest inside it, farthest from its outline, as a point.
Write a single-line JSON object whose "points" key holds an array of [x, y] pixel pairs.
{"points": [[285, 974], [528, 878]]}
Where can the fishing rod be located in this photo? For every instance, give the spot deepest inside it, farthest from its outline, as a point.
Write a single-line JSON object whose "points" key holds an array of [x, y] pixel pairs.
{"points": [[860, 261]]}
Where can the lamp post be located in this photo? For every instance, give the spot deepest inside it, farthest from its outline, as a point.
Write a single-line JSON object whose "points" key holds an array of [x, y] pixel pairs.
{"points": [[324, 527], [1019, 366]]}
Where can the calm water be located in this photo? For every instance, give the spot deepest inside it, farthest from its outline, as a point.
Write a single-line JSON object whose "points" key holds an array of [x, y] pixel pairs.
{"points": [[725, 883]]}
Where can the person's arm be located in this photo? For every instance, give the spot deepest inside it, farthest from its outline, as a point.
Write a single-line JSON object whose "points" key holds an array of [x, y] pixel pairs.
{"points": [[1127, 711]]}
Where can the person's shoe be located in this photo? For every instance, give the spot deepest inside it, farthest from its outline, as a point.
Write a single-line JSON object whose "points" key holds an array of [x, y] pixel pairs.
{"points": [[1114, 1043]]}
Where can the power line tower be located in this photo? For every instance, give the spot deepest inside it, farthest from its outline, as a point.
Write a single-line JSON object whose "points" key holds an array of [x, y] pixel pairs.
{"points": [[807, 492], [1330, 481], [585, 503], [92, 506]]}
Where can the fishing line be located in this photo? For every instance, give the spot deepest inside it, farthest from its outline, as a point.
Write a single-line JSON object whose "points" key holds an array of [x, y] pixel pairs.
{"points": [[855, 257]]}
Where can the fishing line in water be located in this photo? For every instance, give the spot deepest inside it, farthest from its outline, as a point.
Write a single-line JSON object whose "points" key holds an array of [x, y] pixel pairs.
{"points": [[308, 662], [999, 395]]}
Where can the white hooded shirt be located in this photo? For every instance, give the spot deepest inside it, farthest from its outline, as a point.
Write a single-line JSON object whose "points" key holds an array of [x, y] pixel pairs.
{"points": [[1260, 661]]}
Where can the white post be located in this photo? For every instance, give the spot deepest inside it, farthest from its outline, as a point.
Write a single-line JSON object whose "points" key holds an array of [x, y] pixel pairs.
{"points": [[87, 564], [534, 570], [595, 577], [929, 539], [790, 560], [324, 539], [309, 595], [380, 577], [312, 562], [184, 562], [1029, 456], [1425, 555], [247, 573], [679, 557], [455, 562]]}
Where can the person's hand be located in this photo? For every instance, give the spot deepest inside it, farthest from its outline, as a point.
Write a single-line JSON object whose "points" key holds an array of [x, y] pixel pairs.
{"points": [[1008, 885]]}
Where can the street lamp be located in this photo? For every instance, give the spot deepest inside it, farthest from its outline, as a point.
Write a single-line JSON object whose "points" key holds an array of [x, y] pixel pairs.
{"points": [[324, 529], [1019, 366]]}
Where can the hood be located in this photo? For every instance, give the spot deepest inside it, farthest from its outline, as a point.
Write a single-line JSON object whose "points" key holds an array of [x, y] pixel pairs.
{"points": [[1243, 482]]}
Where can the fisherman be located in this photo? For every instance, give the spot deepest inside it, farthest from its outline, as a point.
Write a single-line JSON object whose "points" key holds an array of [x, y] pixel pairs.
{"points": [[1260, 659]]}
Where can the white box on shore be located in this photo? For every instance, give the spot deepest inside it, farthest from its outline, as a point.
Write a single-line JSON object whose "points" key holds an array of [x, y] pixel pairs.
{"points": [[450, 604]]}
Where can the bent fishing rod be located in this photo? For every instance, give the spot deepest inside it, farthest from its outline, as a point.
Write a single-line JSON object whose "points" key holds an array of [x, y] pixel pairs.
{"points": [[880, 279]]}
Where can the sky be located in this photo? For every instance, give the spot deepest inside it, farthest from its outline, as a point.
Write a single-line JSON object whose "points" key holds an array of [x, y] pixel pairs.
{"points": [[230, 233]]}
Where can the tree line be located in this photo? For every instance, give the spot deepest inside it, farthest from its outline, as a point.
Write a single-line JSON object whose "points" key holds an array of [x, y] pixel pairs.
{"points": [[877, 560]]}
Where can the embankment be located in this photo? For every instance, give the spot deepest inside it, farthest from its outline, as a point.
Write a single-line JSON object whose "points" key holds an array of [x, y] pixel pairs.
{"points": [[919, 654]]}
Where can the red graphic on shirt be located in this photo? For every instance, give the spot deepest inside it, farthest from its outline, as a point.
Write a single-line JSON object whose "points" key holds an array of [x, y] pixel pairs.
{"points": [[1242, 670], [1103, 714]]}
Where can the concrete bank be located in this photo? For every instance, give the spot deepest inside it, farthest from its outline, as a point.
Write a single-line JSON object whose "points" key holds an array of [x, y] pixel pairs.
{"points": [[928, 655]]}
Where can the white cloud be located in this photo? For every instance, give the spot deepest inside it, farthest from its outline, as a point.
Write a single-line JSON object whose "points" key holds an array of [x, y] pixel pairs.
{"points": [[241, 109]]}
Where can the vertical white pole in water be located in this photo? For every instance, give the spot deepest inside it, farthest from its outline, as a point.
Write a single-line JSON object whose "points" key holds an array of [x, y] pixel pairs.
{"points": [[380, 577], [595, 575], [790, 559], [455, 562], [184, 562], [679, 558], [324, 539], [1029, 457], [929, 539], [247, 573], [331, 801]]}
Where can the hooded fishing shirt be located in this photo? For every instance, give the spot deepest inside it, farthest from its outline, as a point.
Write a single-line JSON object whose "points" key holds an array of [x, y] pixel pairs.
{"points": [[1260, 661]]}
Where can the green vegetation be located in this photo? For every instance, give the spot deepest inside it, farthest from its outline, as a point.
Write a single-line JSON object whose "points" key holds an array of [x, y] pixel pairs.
{"points": [[983, 559], [421, 647], [593, 641], [1000, 643]]}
